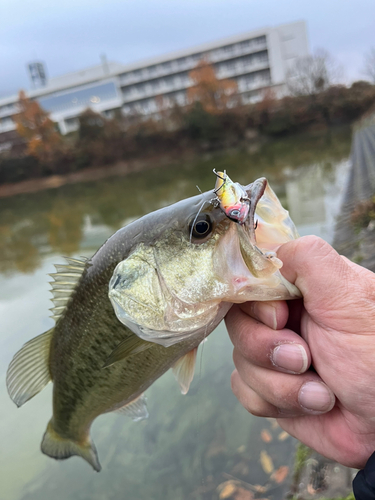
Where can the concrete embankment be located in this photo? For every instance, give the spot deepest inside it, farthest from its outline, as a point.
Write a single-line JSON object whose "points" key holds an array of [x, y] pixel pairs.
{"points": [[356, 243], [315, 476]]}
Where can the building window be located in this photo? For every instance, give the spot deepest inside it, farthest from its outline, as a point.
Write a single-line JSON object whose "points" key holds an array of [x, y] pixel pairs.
{"points": [[6, 123], [71, 124], [181, 99], [260, 40], [126, 110], [166, 66], [245, 45], [140, 89], [181, 62], [168, 82], [228, 50], [152, 71], [229, 66], [265, 76], [263, 56]]}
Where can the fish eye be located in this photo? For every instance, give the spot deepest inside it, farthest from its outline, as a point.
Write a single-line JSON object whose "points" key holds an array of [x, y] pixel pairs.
{"points": [[200, 226]]}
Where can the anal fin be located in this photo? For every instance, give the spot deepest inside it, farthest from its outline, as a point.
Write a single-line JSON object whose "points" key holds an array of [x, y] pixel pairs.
{"points": [[137, 409], [28, 372], [184, 369]]}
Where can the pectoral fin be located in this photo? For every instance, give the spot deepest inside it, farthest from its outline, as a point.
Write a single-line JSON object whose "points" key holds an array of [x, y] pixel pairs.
{"points": [[28, 372], [128, 347], [184, 368]]}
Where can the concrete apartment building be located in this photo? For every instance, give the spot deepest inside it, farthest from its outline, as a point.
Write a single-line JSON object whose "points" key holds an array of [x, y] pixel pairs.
{"points": [[256, 60]]}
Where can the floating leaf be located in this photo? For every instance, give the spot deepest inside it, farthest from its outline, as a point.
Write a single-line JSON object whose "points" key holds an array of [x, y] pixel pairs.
{"points": [[266, 436], [280, 474], [241, 449], [266, 462], [274, 425], [227, 489], [242, 494], [283, 436], [259, 488]]}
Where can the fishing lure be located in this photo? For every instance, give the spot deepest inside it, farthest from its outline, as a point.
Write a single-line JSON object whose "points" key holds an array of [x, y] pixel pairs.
{"points": [[232, 198]]}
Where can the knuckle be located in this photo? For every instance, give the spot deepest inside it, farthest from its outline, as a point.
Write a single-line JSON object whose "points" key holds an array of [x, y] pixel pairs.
{"points": [[313, 242], [256, 411]]}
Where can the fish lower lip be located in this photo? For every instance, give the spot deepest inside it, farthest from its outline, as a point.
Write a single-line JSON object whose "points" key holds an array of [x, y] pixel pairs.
{"points": [[255, 192]]}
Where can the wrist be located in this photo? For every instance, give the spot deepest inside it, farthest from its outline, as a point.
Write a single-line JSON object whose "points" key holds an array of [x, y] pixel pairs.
{"points": [[364, 482]]}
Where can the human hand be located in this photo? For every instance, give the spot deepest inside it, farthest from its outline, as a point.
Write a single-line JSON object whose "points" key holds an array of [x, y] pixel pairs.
{"points": [[311, 364]]}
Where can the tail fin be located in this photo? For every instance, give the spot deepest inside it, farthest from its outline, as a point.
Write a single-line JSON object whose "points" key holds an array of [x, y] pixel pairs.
{"points": [[58, 447]]}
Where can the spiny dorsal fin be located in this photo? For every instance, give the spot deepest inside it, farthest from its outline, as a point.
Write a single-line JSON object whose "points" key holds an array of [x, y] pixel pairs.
{"points": [[184, 368], [28, 372], [137, 409], [65, 280], [128, 347]]}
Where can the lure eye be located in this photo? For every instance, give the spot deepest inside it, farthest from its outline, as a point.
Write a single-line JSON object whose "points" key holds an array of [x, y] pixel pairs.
{"points": [[200, 227], [235, 213]]}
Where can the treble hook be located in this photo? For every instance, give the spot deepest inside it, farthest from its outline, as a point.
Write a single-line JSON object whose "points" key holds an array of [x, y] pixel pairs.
{"points": [[224, 179]]}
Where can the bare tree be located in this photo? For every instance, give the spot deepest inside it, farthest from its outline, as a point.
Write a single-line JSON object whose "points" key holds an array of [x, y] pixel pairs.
{"points": [[369, 69], [312, 74]]}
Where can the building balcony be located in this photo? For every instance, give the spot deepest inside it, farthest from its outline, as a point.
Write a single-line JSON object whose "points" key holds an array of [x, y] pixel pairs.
{"points": [[7, 126], [241, 68]]}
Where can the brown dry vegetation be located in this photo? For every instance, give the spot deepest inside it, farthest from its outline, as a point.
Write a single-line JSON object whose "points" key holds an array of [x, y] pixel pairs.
{"points": [[213, 119]]}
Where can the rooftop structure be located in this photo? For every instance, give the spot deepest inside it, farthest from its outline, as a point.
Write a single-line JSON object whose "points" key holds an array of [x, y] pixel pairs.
{"points": [[256, 60]]}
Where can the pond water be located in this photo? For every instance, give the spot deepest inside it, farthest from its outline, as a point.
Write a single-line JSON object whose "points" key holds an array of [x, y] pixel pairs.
{"points": [[190, 444]]}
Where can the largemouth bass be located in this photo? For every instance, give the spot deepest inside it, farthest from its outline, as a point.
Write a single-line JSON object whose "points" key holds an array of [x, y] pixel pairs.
{"points": [[144, 302]]}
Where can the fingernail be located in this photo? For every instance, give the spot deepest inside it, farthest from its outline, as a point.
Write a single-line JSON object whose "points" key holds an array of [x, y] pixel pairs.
{"points": [[265, 313], [316, 397], [290, 357]]}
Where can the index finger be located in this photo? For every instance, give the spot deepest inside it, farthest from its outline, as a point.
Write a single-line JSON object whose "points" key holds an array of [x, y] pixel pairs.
{"points": [[281, 350]]}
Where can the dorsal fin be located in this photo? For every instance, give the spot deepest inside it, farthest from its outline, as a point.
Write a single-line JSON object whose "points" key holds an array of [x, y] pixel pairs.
{"points": [[65, 280], [28, 372], [184, 368], [128, 347], [137, 409]]}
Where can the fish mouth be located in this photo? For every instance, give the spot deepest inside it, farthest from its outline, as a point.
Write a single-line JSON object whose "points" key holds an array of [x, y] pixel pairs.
{"points": [[255, 191], [247, 263]]}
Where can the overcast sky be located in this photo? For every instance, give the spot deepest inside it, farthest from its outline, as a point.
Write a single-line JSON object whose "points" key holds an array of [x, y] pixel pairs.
{"points": [[69, 35]]}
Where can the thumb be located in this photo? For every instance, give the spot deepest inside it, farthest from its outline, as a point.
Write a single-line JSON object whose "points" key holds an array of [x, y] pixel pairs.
{"points": [[326, 280]]}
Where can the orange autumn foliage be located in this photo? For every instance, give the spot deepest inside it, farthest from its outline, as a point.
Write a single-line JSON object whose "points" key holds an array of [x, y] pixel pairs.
{"points": [[34, 124], [214, 95], [280, 474]]}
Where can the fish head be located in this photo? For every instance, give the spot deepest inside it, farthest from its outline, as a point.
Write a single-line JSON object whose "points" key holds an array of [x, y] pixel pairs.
{"points": [[192, 261]]}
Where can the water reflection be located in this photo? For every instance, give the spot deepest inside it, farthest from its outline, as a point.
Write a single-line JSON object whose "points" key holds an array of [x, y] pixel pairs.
{"points": [[313, 197], [190, 444]]}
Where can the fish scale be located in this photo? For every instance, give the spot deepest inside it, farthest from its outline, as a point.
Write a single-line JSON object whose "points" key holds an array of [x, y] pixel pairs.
{"points": [[142, 304]]}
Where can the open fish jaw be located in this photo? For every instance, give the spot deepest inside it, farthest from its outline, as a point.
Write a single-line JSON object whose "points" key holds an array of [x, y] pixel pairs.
{"points": [[274, 225], [173, 290]]}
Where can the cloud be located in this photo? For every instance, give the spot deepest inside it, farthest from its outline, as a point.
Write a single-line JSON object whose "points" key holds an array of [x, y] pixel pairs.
{"points": [[71, 35]]}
